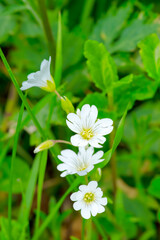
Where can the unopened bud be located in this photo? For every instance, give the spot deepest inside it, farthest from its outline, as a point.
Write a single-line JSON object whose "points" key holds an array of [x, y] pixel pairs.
{"points": [[67, 105], [45, 145], [96, 176]]}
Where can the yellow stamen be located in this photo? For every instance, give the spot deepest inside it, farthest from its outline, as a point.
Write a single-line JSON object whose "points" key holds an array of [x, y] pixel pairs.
{"points": [[87, 134], [88, 197]]}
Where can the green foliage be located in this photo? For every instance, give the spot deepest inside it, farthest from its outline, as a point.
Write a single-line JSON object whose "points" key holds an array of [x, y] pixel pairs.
{"points": [[107, 29], [154, 187], [131, 35], [101, 65], [150, 53], [98, 63], [21, 173]]}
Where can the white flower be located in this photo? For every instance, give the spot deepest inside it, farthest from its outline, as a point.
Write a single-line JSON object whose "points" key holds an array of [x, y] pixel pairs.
{"points": [[42, 78], [80, 163], [89, 129], [89, 200]]}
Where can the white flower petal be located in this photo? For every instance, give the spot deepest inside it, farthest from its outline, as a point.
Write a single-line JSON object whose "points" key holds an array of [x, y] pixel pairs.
{"points": [[77, 140], [61, 167], [96, 158], [73, 127], [76, 196], [92, 185], [103, 201], [73, 196], [85, 212], [77, 205], [94, 143], [98, 194], [83, 188], [64, 174], [94, 209], [100, 208], [39, 78]]}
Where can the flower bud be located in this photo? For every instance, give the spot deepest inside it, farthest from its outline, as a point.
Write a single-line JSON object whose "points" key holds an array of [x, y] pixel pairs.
{"points": [[96, 176], [45, 145], [67, 105]]}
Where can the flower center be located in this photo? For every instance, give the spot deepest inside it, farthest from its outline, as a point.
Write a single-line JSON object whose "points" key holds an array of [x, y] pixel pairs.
{"points": [[87, 134], [88, 197]]}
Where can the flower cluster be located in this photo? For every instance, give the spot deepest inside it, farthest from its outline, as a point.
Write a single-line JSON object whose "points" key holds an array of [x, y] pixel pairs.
{"points": [[90, 133]]}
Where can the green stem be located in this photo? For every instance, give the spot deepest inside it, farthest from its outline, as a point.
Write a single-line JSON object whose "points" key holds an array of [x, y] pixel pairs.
{"points": [[58, 64], [24, 100], [33, 11], [88, 6], [113, 159], [55, 209], [89, 229], [42, 169], [100, 229], [48, 32], [12, 170]]}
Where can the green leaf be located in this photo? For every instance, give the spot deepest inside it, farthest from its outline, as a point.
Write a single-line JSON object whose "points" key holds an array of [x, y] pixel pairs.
{"points": [[31, 184], [73, 238], [119, 132], [150, 54], [140, 88], [16, 229], [117, 139], [20, 171], [102, 67], [123, 81], [8, 27], [154, 187], [132, 34], [108, 28]]}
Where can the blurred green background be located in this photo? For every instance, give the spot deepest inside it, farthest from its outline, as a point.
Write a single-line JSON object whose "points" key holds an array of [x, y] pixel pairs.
{"points": [[133, 211]]}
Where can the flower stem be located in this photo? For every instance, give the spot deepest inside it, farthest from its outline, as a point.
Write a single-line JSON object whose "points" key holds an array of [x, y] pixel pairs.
{"points": [[48, 31], [58, 95], [89, 229], [100, 229]]}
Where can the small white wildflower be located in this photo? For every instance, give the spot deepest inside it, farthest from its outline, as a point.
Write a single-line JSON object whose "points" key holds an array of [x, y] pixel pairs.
{"points": [[89, 200], [80, 163], [89, 129], [42, 78]]}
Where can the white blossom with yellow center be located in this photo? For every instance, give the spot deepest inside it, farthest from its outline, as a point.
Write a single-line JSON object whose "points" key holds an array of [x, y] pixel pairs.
{"points": [[88, 129], [89, 200], [42, 78], [80, 163]]}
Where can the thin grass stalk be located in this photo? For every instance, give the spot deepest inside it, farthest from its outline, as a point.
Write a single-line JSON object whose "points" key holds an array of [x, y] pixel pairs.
{"points": [[12, 171]]}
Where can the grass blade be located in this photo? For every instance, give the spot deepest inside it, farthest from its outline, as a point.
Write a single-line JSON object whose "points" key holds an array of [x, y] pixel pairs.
{"points": [[11, 170], [24, 100], [55, 209], [58, 64], [42, 169]]}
